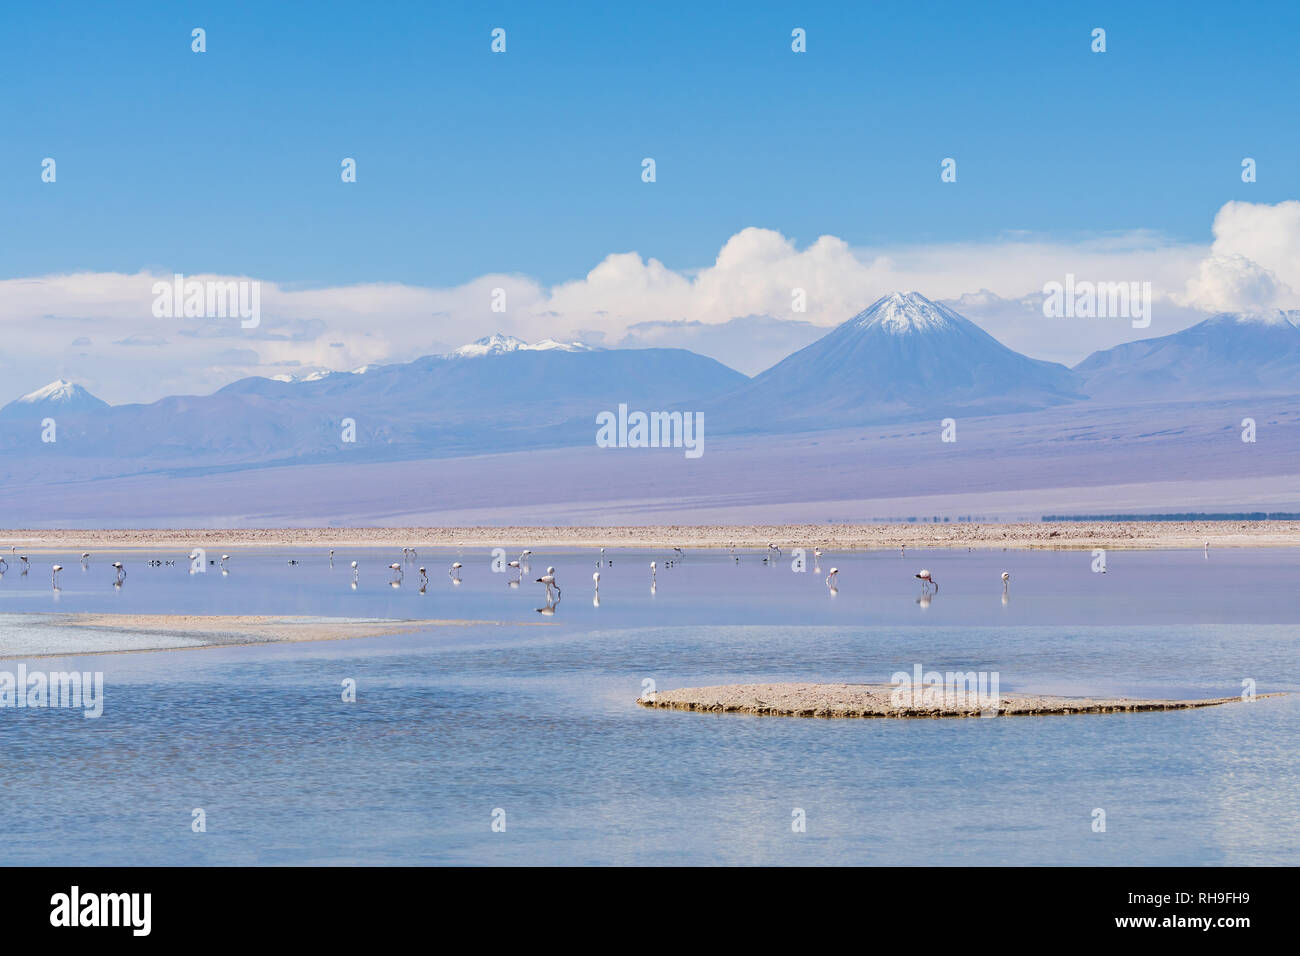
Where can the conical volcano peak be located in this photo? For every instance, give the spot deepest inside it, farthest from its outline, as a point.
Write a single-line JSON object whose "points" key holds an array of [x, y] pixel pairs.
{"points": [[902, 312]]}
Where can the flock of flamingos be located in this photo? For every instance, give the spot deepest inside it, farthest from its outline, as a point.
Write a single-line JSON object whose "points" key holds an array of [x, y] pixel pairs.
{"points": [[519, 565]]}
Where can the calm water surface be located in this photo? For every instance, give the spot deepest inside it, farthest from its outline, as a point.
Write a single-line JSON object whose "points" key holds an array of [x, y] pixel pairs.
{"points": [[535, 715]]}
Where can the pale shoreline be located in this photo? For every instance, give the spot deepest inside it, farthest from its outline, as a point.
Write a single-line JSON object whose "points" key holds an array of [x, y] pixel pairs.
{"points": [[1055, 536], [225, 630], [874, 701]]}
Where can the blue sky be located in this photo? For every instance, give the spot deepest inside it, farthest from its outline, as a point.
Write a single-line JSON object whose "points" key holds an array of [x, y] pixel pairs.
{"points": [[529, 162], [522, 171]]}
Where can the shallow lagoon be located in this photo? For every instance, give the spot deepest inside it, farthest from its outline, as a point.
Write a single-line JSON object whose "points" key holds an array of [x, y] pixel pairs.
{"points": [[536, 715]]}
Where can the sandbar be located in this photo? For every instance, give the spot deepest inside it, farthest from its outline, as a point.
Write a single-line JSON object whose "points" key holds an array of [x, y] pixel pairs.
{"points": [[874, 700]]}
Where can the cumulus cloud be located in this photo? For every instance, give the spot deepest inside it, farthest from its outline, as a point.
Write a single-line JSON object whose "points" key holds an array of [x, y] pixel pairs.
{"points": [[1234, 283], [1254, 261], [762, 292]]}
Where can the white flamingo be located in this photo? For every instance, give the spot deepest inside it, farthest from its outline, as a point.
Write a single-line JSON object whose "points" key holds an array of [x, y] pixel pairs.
{"points": [[85, 557], [121, 573], [354, 572], [454, 571], [1006, 578], [224, 559], [595, 576], [833, 579], [927, 581], [549, 580], [398, 574], [652, 574], [4, 565], [54, 575]]}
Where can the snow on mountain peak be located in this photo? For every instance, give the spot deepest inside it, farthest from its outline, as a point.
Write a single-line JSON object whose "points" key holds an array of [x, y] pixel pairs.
{"points": [[499, 343], [900, 313], [1265, 317], [57, 391]]}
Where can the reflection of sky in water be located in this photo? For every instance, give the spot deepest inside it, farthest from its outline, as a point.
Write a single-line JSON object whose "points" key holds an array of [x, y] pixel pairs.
{"points": [[452, 722]]}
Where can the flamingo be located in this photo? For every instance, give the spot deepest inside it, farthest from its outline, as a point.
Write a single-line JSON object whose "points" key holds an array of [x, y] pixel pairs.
{"points": [[833, 579], [398, 574], [224, 559], [354, 572], [4, 565], [1005, 579], [454, 571], [121, 573], [595, 576], [54, 575], [926, 581], [26, 563], [85, 556], [652, 574], [549, 580]]}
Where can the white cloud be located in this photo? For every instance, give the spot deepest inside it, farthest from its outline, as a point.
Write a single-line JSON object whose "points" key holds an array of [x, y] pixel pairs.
{"points": [[1254, 262]]}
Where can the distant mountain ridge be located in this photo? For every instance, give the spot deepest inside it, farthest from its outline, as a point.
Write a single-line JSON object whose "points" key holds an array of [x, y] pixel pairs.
{"points": [[1229, 355], [501, 396], [902, 359]]}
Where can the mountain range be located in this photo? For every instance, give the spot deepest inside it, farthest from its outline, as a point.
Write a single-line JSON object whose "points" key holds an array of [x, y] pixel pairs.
{"points": [[903, 359]]}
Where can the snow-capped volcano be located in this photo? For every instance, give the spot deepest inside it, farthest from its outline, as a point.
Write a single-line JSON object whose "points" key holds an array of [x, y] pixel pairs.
{"points": [[902, 357], [499, 343], [59, 395], [902, 312]]}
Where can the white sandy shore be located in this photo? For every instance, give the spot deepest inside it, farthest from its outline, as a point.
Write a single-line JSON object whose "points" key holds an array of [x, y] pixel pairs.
{"points": [[874, 700], [1082, 535], [123, 633]]}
